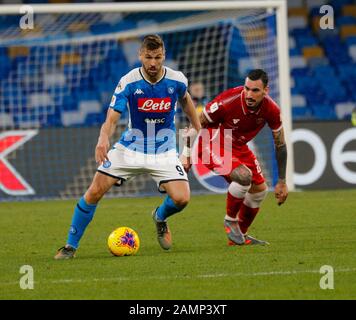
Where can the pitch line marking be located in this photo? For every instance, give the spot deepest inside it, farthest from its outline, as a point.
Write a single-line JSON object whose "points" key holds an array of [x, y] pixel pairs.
{"points": [[182, 277]]}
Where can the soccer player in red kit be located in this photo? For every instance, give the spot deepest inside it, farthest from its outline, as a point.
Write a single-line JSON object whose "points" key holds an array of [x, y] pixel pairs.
{"points": [[239, 114]]}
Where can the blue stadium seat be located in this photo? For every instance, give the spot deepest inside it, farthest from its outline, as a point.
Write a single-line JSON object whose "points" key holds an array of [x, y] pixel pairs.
{"points": [[316, 62], [350, 41], [95, 119], [306, 41], [322, 81], [302, 113], [314, 11], [323, 72], [301, 32], [100, 28], [306, 84], [345, 20], [300, 72], [315, 96], [294, 51], [5, 66], [125, 24], [324, 112]]}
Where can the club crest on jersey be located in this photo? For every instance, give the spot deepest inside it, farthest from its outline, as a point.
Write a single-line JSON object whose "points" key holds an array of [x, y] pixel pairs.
{"points": [[260, 120], [154, 104], [170, 90], [235, 121]]}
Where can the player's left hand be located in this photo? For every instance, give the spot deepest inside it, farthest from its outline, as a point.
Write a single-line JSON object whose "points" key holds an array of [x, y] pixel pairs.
{"points": [[186, 162], [281, 192]]}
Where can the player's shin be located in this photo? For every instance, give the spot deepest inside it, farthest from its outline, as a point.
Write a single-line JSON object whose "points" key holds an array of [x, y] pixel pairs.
{"points": [[249, 209], [167, 208], [235, 196], [83, 214]]}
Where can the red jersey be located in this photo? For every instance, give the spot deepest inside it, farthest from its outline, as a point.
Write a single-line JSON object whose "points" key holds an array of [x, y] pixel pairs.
{"points": [[229, 111]]}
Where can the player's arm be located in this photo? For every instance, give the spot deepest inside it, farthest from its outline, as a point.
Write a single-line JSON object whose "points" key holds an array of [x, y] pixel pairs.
{"points": [[190, 110], [281, 189], [106, 132], [191, 132], [204, 122]]}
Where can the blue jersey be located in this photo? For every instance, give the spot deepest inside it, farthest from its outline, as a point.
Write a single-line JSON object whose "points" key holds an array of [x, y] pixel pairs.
{"points": [[151, 109]]}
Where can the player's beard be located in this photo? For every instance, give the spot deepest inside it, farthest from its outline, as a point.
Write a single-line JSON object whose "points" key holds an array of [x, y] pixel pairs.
{"points": [[153, 73], [251, 103]]}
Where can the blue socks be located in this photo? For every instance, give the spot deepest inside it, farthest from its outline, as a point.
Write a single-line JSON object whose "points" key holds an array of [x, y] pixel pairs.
{"points": [[83, 214], [167, 209]]}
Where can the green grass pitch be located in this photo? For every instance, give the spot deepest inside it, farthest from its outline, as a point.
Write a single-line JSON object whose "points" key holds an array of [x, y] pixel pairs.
{"points": [[310, 230]]}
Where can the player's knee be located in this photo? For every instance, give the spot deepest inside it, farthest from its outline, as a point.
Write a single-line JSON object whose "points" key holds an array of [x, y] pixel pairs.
{"points": [[241, 175], [94, 193], [237, 190], [181, 201]]}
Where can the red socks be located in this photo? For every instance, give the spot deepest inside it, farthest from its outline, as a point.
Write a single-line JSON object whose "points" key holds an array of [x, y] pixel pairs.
{"points": [[243, 206], [246, 217], [233, 205]]}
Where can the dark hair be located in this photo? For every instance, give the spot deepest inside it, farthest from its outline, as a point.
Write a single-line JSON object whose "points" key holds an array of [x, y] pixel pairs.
{"points": [[258, 74], [152, 42]]}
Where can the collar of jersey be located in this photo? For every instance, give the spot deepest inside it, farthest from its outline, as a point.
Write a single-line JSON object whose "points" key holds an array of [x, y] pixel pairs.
{"points": [[153, 83]]}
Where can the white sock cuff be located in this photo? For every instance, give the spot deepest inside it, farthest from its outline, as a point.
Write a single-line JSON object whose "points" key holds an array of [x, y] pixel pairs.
{"points": [[237, 190], [253, 200], [228, 218]]}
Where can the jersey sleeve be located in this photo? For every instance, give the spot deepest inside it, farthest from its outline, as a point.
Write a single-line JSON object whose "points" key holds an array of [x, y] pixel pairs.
{"points": [[274, 119], [215, 110], [182, 86], [119, 99]]}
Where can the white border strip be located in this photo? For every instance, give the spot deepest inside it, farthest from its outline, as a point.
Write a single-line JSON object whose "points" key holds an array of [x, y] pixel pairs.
{"points": [[142, 6]]}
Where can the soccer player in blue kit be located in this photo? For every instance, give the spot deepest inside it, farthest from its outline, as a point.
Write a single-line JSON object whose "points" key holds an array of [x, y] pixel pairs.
{"points": [[148, 145]]}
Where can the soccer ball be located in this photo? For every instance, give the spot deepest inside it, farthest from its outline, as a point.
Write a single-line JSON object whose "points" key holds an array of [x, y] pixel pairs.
{"points": [[123, 241]]}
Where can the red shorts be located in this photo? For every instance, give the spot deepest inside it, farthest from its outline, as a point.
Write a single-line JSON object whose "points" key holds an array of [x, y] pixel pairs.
{"points": [[225, 162]]}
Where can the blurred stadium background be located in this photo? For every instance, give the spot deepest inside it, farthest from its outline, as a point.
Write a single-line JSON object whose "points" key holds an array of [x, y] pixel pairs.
{"points": [[56, 81]]}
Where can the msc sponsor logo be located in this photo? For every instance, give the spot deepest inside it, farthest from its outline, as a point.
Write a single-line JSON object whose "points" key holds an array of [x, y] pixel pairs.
{"points": [[154, 104], [155, 121]]}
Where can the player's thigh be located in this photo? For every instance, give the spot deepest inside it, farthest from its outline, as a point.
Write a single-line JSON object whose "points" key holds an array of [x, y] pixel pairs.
{"points": [[242, 175], [112, 172], [178, 190], [170, 176], [249, 160], [100, 185], [256, 188], [123, 164]]}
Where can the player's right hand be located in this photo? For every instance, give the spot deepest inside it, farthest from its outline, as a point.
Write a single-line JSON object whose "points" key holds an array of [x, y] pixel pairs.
{"points": [[101, 151], [186, 162]]}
